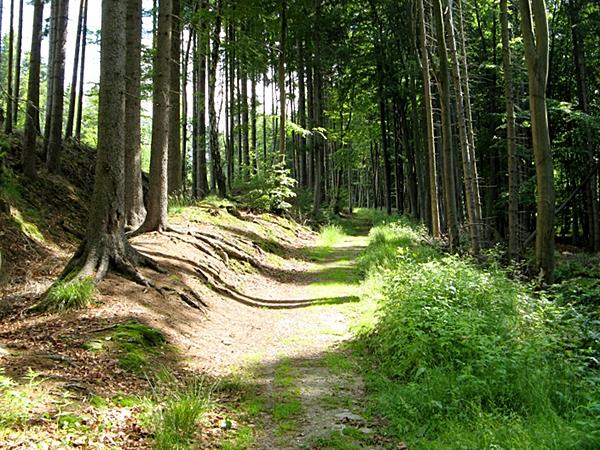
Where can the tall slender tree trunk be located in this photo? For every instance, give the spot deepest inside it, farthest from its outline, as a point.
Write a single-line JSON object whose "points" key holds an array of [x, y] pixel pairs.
{"points": [[433, 187], [317, 114], [245, 122], [17, 87], [253, 129], [54, 12], [513, 169], [73, 93], [446, 113], [302, 113], [134, 195], [33, 92], [156, 217], [591, 189], [8, 124], [79, 119], [174, 158], [534, 24], [202, 187], [212, 112], [281, 73], [58, 90], [468, 163]]}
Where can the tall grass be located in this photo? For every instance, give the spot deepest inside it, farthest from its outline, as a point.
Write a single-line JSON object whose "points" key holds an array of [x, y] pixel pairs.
{"points": [[464, 357], [176, 422]]}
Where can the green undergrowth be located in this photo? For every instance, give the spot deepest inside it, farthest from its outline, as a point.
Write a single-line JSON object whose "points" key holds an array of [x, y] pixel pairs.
{"points": [[181, 406], [329, 236], [68, 294], [138, 346], [462, 356]]}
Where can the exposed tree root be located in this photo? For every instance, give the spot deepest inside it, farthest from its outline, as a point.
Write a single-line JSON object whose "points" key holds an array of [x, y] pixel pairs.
{"points": [[94, 259], [187, 296], [220, 286]]}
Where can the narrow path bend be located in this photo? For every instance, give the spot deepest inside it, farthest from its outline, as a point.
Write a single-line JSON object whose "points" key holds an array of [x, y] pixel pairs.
{"points": [[291, 358]]}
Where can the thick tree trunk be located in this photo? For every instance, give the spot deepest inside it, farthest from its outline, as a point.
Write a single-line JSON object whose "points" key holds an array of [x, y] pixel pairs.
{"points": [[513, 169], [134, 196], [73, 93], [105, 244], [433, 187], [212, 112], [446, 113], [156, 217], [535, 39], [33, 92], [174, 158], [58, 89]]}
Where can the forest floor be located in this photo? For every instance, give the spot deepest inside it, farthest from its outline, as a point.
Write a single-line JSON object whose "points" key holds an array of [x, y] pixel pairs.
{"points": [[252, 316]]}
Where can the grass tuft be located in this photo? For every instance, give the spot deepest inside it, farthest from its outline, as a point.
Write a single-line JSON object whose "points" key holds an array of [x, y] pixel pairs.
{"points": [[177, 420], [66, 295]]}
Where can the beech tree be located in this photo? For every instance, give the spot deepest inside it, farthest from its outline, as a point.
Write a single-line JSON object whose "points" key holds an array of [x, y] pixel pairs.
{"points": [[534, 23]]}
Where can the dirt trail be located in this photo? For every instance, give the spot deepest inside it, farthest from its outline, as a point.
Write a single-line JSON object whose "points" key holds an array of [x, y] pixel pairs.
{"points": [[301, 377]]}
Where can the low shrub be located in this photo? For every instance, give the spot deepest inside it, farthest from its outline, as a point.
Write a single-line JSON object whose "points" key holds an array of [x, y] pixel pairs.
{"points": [[465, 357]]}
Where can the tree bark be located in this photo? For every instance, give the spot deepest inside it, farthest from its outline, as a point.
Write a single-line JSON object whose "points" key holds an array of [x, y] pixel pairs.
{"points": [[8, 124], [281, 73], [73, 93], [58, 89], [469, 164], [446, 113], [534, 24], [156, 217], [433, 187], [202, 187], [513, 173], [134, 195], [212, 112], [33, 92], [175, 157], [105, 244], [17, 87], [79, 119]]}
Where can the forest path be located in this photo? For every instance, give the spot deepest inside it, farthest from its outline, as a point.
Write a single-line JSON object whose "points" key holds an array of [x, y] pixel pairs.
{"points": [[291, 379]]}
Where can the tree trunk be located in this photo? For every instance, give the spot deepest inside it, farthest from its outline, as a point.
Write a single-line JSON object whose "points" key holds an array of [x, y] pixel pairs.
{"points": [[33, 92], [246, 171], [253, 143], [79, 119], [54, 12], [105, 244], [281, 73], [58, 89], [73, 94], [156, 217], [302, 113], [433, 187], [174, 158], [534, 24], [469, 163], [17, 88], [446, 113], [8, 124], [591, 193], [135, 210], [212, 112], [202, 187], [513, 169]]}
